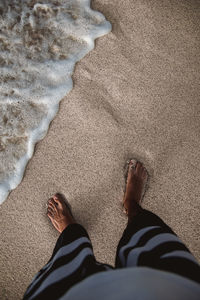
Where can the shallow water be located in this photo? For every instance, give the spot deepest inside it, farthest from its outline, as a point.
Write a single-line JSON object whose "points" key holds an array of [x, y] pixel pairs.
{"points": [[40, 42]]}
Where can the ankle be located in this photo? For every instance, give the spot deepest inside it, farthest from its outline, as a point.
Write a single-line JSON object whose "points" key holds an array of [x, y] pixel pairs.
{"points": [[133, 213]]}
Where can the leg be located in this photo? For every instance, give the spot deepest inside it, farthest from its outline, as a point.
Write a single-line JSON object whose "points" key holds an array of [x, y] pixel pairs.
{"points": [[72, 259], [148, 241]]}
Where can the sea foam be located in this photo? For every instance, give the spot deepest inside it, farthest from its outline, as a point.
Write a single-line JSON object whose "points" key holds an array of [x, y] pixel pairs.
{"points": [[40, 42]]}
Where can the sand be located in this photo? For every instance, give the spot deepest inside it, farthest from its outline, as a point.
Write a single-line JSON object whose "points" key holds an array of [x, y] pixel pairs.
{"points": [[40, 45], [135, 95]]}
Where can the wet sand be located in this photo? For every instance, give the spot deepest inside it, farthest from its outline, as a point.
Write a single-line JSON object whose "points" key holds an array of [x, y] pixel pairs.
{"points": [[135, 95]]}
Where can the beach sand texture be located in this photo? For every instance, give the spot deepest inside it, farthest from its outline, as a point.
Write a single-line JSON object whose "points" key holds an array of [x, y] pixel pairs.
{"points": [[135, 95]]}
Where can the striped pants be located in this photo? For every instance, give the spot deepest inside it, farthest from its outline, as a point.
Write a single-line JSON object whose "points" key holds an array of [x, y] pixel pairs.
{"points": [[146, 241]]}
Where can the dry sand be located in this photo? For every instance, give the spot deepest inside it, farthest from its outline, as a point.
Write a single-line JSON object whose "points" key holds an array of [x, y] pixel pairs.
{"points": [[135, 95]]}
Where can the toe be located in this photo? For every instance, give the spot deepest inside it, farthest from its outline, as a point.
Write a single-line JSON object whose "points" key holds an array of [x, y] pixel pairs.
{"points": [[137, 167], [50, 210], [51, 205], [49, 214], [129, 173], [58, 200], [141, 169], [52, 202], [131, 166], [58, 196]]}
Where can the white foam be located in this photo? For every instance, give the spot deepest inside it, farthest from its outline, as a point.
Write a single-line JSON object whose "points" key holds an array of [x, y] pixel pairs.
{"points": [[40, 42]]}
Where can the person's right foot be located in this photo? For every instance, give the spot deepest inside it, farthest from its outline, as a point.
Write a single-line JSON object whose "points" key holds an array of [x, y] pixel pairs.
{"points": [[136, 181], [59, 213]]}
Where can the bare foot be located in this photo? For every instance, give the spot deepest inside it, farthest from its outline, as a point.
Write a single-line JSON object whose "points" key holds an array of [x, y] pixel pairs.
{"points": [[59, 213], [136, 180]]}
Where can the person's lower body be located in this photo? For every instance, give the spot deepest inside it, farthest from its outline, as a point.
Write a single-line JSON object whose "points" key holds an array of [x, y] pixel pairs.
{"points": [[146, 241]]}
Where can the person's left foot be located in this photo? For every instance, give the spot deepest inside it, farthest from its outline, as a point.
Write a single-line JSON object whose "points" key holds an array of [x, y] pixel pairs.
{"points": [[59, 213]]}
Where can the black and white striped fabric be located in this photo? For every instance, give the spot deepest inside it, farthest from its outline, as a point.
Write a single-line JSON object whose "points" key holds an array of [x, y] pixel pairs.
{"points": [[146, 241], [72, 261]]}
